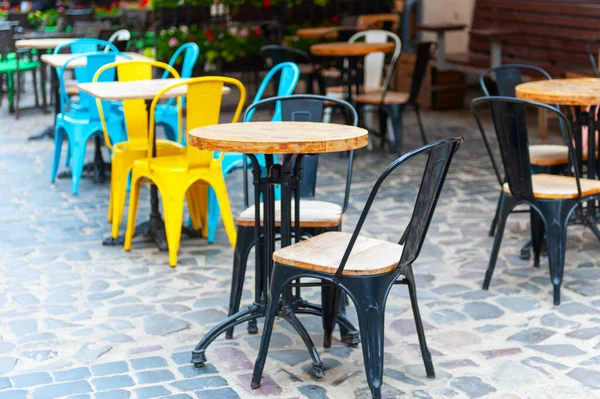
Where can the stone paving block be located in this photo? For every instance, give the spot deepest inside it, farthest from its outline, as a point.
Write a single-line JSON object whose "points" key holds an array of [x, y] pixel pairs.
{"points": [[225, 393], [182, 357], [473, 387], [13, 394], [114, 394], [148, 363], [195, 384], [61, 390], [193, 371], [103, 369], [114, 382], [31, 379], [5, 383], [154, 376], [152, 392]]}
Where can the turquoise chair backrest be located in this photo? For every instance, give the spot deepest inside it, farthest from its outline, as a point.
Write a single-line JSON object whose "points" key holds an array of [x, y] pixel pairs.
{"points": [[85, 45], [190, 57], [289, 76], [94, 61]]}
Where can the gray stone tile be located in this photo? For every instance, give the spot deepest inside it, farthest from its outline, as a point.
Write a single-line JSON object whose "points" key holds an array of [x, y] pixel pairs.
{"points": [[31, 379], [482, 310], [473, 387], [103, 369], [531, 336], [193, 371], [589, 378], [148, 363], [114, 382], [585, 333], [195, 384], [154, 376], [79, 373], [61, 390], [224, 393], [152, 392], [160, 324], [13, 394], [559, 350], [114, 394]]}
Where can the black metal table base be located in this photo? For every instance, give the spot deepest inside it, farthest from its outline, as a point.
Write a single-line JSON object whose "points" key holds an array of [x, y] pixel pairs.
{"points": [[154, 228], [46, 133], [288, 313]]}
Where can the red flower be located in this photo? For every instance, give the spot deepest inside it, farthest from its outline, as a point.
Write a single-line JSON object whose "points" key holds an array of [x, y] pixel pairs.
{"points": [[114, 4], [257, 31], [266, 3], [17, 7], [143, 3], [192, 39], [335, 19], [109, 9], [78, 7], [210, 36], [99, 8]]}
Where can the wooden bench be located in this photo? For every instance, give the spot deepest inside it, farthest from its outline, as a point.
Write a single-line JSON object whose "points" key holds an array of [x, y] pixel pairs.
{"points": [[550, 34]]}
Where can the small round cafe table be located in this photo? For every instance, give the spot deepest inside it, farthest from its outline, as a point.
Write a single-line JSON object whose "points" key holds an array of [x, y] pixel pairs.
{"points": [[353, 52], [317, 33], [292, 140], [579, 98]]}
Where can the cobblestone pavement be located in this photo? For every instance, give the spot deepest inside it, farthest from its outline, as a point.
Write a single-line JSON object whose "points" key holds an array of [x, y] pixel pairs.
{"points": [[81, 320]]}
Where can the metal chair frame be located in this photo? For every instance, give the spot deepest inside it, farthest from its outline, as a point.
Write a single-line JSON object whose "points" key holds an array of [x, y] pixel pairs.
{"points": [[369, 293], [509, 118]]}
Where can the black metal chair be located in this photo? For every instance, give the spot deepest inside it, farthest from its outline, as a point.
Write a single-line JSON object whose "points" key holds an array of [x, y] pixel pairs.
{"points": [[590, 47], [315, 216], [544, 158], [392, 103], [309, 72], [553, 198], [368, 274]]}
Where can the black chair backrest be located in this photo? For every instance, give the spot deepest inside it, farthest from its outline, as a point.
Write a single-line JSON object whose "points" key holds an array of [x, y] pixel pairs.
{"points": [[507, 77], [278, 54], [307, 108], [510, 123], [593, 49], [421, 62], [440, 156], [7, 40], [18, 16], [344, 34]]}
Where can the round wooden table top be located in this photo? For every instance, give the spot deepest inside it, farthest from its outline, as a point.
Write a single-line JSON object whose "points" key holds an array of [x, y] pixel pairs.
{"points": [[42, 44], [279, 137], [345, 49], [574, 91], [317, 33]]}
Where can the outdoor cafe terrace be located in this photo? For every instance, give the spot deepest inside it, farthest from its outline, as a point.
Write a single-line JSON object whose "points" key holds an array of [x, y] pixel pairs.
{"points": [[420, 232]]}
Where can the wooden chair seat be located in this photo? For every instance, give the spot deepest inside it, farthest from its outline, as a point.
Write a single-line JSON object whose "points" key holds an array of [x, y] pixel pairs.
{"points": [[344, 89], [71, 86], [548, 155], [559, 187], [391, 97], [312, 214], [324, 253]]}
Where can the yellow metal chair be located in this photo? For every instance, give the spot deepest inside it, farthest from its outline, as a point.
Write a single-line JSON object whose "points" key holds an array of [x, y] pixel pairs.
{"points": [[187, 174], [136, 122]]}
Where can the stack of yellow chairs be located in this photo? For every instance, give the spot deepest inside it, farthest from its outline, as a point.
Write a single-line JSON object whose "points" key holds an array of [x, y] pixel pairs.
{"points": [[124, 154], [191, 171]]}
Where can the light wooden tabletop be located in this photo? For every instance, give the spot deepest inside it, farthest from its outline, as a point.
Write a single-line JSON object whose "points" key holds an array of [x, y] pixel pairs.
{"points": [[42, 44], [574, 91], [139, 89], [318, 33], [279, 137], [58, 60], [345, 49]]}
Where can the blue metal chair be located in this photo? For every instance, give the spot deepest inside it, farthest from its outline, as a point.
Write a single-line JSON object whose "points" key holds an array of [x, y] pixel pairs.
{"points": [[289, 75], [166, 114], [78, 126]]}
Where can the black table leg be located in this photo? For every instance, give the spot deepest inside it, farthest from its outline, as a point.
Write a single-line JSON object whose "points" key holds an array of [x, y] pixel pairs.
{"points": [[49, 131]]}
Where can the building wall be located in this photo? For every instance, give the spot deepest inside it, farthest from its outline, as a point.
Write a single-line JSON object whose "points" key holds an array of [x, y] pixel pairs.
{"points": [[458, 11]]}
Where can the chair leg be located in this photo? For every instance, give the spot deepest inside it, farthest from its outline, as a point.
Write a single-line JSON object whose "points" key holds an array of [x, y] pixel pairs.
{"points": [[17, 93], [134, 197], [503, 215], [213, 215], [370, 296], [218, 184], [556, 213], [412, 290], [173, 214], [193, 209], [77, 163], [330, 305], [10, 88], [396, 116], [537, 236], [271, 312], [420, 122], [58, 141], [35, 87], [243, 246], [118, 193], [494, 224]]}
